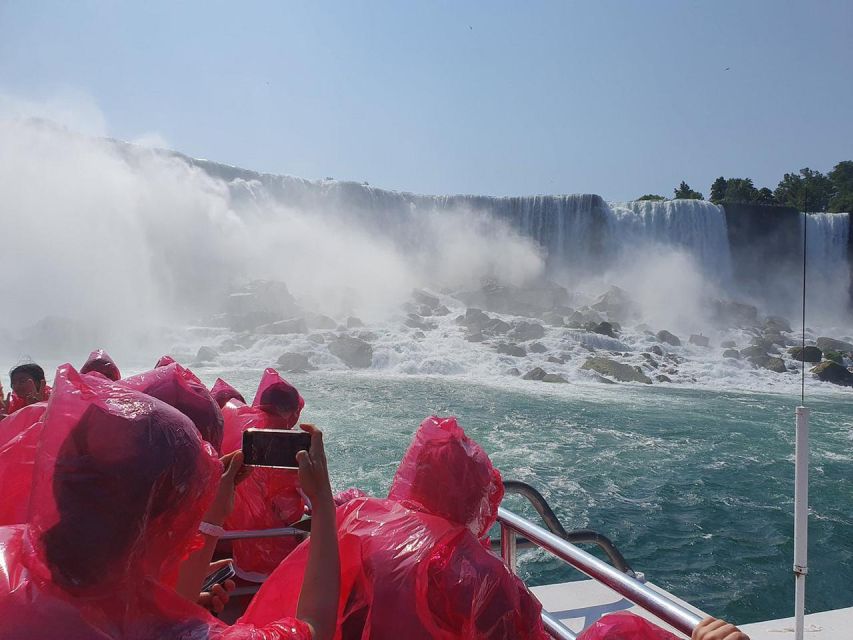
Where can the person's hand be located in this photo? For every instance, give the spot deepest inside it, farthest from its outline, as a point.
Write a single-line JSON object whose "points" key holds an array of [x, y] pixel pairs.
{"points": [[714, 629], [218, 596], [313, 472], [223, 503]]}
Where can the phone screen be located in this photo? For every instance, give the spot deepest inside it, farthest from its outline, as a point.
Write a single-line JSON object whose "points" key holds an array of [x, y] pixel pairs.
{"points": [[219, 576], [274, 447]]}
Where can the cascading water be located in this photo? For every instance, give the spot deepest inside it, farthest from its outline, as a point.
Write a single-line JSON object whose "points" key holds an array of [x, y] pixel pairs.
{"points": [[827, 242]]}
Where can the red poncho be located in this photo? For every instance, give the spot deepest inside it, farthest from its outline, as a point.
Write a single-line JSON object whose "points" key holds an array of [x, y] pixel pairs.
{"points": [[19, 436], [412, 566], [268, 498], [122, 481], [16, 403], [180, 388], [222, 392], [99, 361]]}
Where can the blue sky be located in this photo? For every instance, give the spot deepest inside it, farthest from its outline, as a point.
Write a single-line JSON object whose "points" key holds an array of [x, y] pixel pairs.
{"points": [[616, 98]]}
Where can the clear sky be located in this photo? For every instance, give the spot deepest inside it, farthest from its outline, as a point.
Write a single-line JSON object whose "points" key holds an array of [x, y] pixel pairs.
{"points": [[504, 98]]}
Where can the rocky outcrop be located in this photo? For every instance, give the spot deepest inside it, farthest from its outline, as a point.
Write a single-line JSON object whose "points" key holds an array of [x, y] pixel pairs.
{"points": [[259, 302], [728, 313], [620, 371], [537, 347], [616, 304], [531, 300], [511, 350], [604, 328], [295, 363], [833, 372], [523, 331], [807, 354], [283, 327], [356, 353], [731, 353], [668, 338], [831, 344], [538, 374], [700, 340]]}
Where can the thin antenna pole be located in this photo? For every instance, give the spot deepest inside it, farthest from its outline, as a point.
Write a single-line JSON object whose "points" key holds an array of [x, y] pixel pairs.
{"points": [[801, 475], [802, 353]]}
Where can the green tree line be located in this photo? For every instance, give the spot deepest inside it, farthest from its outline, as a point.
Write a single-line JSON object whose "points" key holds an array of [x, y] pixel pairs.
{"points": [[806, 190]]}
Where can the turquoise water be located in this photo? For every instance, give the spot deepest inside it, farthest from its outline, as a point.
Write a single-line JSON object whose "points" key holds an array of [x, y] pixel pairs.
{"points": [[694, 487]]}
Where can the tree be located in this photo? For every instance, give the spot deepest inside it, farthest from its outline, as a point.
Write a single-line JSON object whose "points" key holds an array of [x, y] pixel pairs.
{"points": [[684, 192], [841, 177], [718, 190], [740, 190], [651, 196], [807, 190], [765, 196]]}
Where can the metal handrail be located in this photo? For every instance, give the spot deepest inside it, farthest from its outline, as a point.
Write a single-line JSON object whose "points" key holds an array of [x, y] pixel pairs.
{"points": [[243, 534], [658, 605], [577, 536]]}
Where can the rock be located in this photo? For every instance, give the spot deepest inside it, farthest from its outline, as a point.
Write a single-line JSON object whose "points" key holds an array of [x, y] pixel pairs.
{"points": [[252, 320], [554, 377], [418, 335], [282, 327], [831, 344], [206, 354], [620, 371], [356, 353], [259, 302], [367, 336], [295, 362], [604, 328], [727, 313], [599, 378], [657, 350], [534, 374], [774, 337], [474, 336], [537, 347], [662, 378], [514, 372], [762, 343], [511, 350], [427, 299], [835, 356], [441, 310], [616, 303], [555, 360], [777, 323], [319, 321], [728, 344], [754, 352], [496, 326], [530, 300], [523, 331], [354, 323], [700, 340], [317, 338], [833, 372], [414, 321], [775, 364], [668, 338], [731, 353], [650, 360], [475, 318], [553, 319], [807, 354]]}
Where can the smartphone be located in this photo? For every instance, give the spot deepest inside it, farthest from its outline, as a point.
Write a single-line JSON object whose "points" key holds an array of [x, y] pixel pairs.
{"points": [[219, 577], [274, 447]]}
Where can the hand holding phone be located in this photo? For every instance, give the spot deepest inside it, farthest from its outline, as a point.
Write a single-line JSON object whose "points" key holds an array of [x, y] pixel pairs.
{"points": [[274, 447], [219, 577]]}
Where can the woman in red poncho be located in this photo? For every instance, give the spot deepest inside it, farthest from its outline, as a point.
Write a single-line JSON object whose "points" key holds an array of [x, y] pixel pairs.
{"points": [[413, 565], [28, 387], [121, 485], [269, 498]]}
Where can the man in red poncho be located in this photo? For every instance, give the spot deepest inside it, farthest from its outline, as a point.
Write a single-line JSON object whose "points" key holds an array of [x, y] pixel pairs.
{"points": [[28, 387], [413, 565]]}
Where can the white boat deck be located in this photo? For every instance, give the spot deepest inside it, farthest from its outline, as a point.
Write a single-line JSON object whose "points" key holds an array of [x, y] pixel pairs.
{"points": [[578, 604]]}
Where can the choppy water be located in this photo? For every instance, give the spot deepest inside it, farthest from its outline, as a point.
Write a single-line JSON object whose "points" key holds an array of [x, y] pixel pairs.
{"points": [[695, 487]]}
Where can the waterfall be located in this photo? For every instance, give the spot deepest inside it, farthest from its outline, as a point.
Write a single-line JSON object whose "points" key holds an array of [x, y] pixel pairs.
{"points": [[826, 243]]}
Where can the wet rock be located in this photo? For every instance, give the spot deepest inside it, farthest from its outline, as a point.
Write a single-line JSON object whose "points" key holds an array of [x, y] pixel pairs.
{"points": [[535, 374], [728, 344], [295, 363], [620, 371], [317, 338], [583, 317], [319, 321], [700, 340], [475, 319], [441, 310], [496, 326], [426, 299], [616, 303], [764, 344], [727, 313], [354, 323], [523, 331], [833, 372], [206, 354], [282, 327], [414, 321], [776, 338], [418, 335], [650, 360], [537, 347], [755, 351], [259, 302], [835, 356], [731, 353], [604, 328], [356, 353], [555, 360], [514, 372], [474, 336], [554, 377], [668, 338], [530, 300], [662, 378], [657, 350], [831, 344], [252, 320], [511, 350], [774, 364], [367, 336], [602, 379], [777, 324], [807, 354]]}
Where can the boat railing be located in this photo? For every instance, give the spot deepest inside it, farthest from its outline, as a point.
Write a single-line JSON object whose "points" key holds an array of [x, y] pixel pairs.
{"points": [[576, 536], [658, 605]]}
